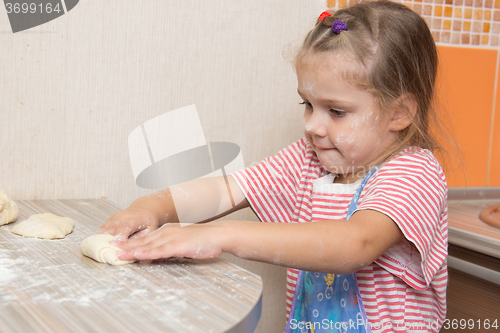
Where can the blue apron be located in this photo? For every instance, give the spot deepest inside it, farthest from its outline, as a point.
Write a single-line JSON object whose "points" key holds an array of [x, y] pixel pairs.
{"points": [[329, 302]]}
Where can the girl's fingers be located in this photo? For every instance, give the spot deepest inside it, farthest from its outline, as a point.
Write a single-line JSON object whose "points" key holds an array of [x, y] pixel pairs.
{"points": [[151, 250], [109, 227], [128, 227], [141, 233], [128, 222], [136, 243], [172, 241]]}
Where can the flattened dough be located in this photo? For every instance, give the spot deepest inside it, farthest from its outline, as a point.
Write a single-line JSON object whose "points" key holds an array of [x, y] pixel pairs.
{"points": [[8, 209], [98, 248], [46, 225]]}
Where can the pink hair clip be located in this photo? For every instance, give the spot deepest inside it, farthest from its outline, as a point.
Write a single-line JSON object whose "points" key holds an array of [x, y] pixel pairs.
{"points": [[323, 15]]}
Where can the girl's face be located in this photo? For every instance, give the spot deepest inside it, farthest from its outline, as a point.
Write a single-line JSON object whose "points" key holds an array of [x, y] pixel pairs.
{"points": [[343, 122]]}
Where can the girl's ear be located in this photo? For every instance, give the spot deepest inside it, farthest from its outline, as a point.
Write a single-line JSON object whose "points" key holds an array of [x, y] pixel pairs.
{"points": [[404, 110]]}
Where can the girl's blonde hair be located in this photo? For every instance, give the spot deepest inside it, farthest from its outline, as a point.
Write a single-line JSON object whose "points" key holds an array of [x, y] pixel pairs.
{"points": [[399, 55]]}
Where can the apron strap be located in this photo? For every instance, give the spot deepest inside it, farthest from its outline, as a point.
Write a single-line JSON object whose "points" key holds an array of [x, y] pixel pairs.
{"points": [[352, 208]]}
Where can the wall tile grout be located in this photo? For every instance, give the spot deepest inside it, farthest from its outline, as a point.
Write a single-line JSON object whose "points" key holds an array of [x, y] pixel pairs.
{"points": [[492, 124]]}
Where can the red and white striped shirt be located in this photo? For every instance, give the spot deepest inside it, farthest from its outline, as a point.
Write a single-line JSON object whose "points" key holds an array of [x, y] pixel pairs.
{"points": [[405, 288]]}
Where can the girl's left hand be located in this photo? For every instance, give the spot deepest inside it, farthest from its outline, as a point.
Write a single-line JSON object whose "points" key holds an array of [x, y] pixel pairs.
{"points": [[198, 241]]}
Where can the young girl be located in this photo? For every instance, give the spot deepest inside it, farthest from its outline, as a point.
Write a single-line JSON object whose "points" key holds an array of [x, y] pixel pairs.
{"points": [[375, 256]]}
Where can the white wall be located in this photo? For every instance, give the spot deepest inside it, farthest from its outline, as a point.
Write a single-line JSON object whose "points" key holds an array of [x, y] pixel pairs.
{"points": [[74, 88]]}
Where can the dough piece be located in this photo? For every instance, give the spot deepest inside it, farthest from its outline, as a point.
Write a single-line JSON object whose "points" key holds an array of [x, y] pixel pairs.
{"points": [[98, 248], [8, 209], [47, 226]]}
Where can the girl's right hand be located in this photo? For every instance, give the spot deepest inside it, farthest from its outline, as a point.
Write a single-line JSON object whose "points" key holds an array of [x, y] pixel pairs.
{"points": [[135, 222]]}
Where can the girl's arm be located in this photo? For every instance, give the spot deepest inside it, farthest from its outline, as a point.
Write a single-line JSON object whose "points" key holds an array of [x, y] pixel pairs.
{"points": [[200, 200], [326, 246]]}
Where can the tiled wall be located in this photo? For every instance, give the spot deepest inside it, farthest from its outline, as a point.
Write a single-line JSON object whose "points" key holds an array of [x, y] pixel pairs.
{"points": [[456, 22], [467, 34], [461, 22]]}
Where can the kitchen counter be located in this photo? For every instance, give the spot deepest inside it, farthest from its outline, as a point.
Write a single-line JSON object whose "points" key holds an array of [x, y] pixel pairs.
{"points": [[48, 286], [473, 294], [467, 230], [464, 226]]}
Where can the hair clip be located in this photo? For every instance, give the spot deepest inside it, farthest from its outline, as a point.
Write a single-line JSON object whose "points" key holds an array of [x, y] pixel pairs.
{"points": [[339, 26], [323, 15]]}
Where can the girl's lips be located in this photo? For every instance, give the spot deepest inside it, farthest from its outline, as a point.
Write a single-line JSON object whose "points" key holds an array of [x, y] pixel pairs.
{"points": [[324, 148]]}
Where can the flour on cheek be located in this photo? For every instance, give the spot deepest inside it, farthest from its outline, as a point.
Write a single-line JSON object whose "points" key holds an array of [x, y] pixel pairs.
{"points": [[309, 88], [307, 126]]}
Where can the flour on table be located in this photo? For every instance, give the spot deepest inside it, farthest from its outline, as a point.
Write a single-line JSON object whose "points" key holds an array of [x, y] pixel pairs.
{"points": [[8, 209], [46, 225], [98, 248]]}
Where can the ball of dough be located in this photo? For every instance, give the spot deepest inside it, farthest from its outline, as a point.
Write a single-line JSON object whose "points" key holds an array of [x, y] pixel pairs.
{"points": [[8, 209], [98, 248], [46, 225]]}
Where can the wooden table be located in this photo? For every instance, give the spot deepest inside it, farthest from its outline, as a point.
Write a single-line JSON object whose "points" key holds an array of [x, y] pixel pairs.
{"points": [[48, 286]]}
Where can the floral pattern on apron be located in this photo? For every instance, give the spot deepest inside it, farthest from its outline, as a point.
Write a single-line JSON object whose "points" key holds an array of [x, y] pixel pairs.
{"points": [[329, 302]]}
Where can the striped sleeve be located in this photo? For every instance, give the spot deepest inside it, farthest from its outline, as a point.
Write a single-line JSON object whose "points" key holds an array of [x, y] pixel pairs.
{"points": [[271, 186], [411, 189]]}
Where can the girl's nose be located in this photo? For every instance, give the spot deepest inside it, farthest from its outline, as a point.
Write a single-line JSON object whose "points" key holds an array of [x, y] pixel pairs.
{"points": [[315, 124]]}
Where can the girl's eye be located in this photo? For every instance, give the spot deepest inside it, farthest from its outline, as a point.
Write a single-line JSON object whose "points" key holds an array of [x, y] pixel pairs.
{"points": [[337, 113], [307, 104]]}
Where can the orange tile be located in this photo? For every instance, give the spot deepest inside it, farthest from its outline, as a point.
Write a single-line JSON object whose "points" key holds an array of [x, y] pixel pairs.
{"points": [[457, 12], [465, 88], [342, 3], [478, 14], [408, 4], [448, 11], [497, 3], [468, 13], [436, 24], [484, 39], [436, 35], [487, 15], [486, 27], [447, 24], [445, 36], [438, 10], [466, 26], [496, 15], [477, 26], [488, 3], [331, 3], [494, 174]]}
